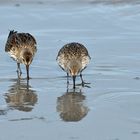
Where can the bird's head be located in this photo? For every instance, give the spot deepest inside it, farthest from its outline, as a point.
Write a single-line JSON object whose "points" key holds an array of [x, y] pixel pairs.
{"points": [[74, 67], [26, 57]]}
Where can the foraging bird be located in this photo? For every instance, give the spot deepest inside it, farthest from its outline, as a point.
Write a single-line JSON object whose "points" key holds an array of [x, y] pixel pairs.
{"points": [[22, 48], [73, 59]]}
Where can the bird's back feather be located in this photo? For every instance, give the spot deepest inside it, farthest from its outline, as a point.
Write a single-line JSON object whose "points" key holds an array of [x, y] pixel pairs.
{"points": [[20, 40]]}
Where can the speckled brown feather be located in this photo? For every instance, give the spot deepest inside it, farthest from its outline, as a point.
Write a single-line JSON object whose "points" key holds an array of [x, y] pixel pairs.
{"points": [[22, 48], [73, 59], [71, 51], [19, 40]]}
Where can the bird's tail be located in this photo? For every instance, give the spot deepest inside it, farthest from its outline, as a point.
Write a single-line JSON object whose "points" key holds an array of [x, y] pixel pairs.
{"points": [[11, 32]]}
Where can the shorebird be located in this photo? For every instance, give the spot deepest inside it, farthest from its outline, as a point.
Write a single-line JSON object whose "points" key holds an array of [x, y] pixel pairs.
{"points": [[73, 59], [22, 48]]}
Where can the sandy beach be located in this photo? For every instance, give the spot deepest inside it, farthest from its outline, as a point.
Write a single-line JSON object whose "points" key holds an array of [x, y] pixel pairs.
{"points": [[109, 109]]}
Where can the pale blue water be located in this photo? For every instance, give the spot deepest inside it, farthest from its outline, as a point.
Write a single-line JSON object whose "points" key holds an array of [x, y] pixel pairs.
{"points": [[109, 110]]}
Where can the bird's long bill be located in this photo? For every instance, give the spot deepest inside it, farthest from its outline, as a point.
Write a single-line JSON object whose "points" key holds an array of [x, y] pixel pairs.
{"points": [[74, 78], [27, 69]]}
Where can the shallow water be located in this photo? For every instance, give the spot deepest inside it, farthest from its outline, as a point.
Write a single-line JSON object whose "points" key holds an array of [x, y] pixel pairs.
{"points": [[108, 110]]}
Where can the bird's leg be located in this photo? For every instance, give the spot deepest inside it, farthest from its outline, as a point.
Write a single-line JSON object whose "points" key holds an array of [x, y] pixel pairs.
{"points": [[82, 79], [74, 78], [19, 72], [67, 78], [67, 81], [83, 83]]}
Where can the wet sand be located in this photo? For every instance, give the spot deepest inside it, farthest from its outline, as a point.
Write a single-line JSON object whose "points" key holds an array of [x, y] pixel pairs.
{"points": [[109, 109]]}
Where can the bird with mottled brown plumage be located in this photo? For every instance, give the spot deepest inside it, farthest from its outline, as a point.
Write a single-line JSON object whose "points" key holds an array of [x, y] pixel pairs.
{"points": [[73, 58], [22, 48]]}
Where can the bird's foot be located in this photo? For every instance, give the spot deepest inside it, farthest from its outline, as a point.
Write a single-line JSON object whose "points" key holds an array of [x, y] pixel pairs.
{"points": [[84, 84], [19, 73], [28, 78]]}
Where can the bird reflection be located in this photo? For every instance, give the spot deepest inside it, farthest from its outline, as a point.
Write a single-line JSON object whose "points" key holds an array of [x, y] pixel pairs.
{"points": [[3, 111], [20, 96], [71, 106]]}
